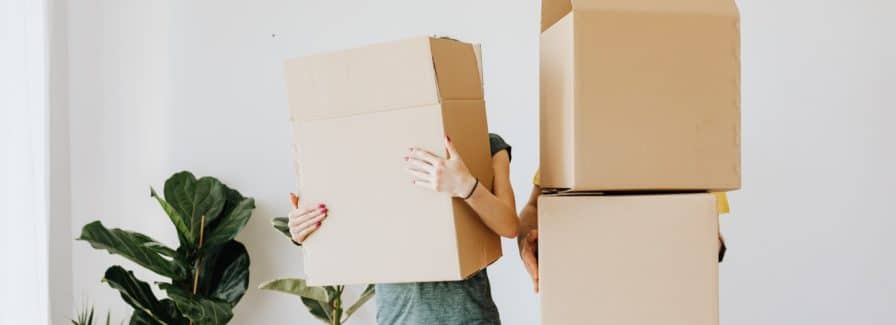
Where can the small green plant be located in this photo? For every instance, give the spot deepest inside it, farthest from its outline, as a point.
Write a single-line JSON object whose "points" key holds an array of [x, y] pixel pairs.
{"points": [[85, 317], [325, 302], [208, 273]]}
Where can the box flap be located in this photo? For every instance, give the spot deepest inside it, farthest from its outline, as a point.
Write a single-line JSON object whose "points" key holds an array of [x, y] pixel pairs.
{"points": [[553, 10], [457, 69], [399, 74]]}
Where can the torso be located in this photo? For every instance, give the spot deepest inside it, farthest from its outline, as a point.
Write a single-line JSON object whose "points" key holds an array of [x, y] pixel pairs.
{"points": [[466, 302]]}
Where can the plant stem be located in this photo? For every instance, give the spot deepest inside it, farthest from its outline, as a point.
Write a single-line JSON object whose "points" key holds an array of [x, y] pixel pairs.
{"points": [[198, 258]]}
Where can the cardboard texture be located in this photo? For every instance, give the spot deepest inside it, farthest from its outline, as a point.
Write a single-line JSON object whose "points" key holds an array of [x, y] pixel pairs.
{"points": [[355, 113], [629, 260], [640, 95]]}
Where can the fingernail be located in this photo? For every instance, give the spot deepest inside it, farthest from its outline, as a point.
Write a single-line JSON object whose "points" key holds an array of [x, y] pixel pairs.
{"points": [[321, 206], [405, 158], [449, 138], [325, 210], [318, 224]]}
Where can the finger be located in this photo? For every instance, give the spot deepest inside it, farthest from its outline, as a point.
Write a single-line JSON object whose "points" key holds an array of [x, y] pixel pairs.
{"points": [[452, 152], [423, 183], [300, 220], [420, 164], [301, 236], [294, 200], [425, 155], [300, 212], [419, 174], [532, 268], [312, 222]]}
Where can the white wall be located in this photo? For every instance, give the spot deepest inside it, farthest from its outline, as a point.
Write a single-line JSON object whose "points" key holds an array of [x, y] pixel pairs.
{"points": [[158, 86], [24, 163]]}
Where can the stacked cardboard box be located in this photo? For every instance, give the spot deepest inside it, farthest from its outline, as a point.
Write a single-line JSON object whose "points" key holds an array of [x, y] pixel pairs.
{"points": [[355, 113], [637, 96]]}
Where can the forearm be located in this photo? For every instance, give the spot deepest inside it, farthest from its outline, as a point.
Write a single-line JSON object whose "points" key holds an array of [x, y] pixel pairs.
{"points": [[497, 214], [528, 220], [529, 214]]}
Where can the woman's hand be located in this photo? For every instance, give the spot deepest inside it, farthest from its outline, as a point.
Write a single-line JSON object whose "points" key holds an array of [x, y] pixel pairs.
{"points": [[303, 221], [529, 254], [449, 176]]}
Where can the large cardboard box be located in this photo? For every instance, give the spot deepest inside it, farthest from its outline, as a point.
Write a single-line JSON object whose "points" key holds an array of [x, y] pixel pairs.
{"points": [[629, 260], [355, 113], [640, 95]]}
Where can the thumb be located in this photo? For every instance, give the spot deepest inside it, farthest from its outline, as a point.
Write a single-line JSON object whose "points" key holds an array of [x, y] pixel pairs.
{"points": [[294, 200], [452, 152]]}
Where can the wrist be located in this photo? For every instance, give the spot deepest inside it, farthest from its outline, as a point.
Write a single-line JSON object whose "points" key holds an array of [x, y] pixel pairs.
{"points": [[467, 187]]}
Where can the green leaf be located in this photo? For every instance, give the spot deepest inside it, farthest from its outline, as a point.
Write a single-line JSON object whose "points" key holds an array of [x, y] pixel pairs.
{"points": [[141, 318], [139, 295], [230, 225], [136, 247], [230, 273], [315, 298], [320, 310], [201, 310], [368, 293], [282, 225], [296, 287], [194, 199], [183, 231]]}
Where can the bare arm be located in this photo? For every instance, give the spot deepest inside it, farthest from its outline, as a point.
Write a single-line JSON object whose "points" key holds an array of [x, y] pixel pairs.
{"points": [[451, 176], [497, 209], [528, 235], [529, 214]]}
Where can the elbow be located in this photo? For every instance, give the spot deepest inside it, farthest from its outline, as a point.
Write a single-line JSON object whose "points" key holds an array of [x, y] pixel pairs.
{"points": [[511, 230]]}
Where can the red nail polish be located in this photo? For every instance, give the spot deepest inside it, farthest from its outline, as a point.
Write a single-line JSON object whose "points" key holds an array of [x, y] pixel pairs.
{"points": [[405, 158], [321, 206], [449, 138], [318, 224], [325, 210]]}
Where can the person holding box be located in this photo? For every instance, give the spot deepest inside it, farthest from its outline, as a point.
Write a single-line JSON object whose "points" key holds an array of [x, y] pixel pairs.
{"points": [[455, 302]]}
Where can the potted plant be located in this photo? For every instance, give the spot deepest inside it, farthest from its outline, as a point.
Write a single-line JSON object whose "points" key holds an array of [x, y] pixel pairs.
{"points": [[207, 274]]}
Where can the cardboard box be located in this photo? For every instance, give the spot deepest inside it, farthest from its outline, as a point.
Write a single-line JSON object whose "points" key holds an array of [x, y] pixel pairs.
{"points": [[640, 95], [355, 113], [629, 260]]}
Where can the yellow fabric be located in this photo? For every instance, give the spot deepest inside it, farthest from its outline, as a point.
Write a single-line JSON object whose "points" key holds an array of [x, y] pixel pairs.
{"points": [[721, 197], [722, 202]]}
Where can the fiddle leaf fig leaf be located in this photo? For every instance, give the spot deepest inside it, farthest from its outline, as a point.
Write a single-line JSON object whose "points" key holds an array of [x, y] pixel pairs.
{"points": [[231, 223], [138, 294], [230, 275], [183, 231], [200, 310], [296, 287], [195, 199], [139, 248]]}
